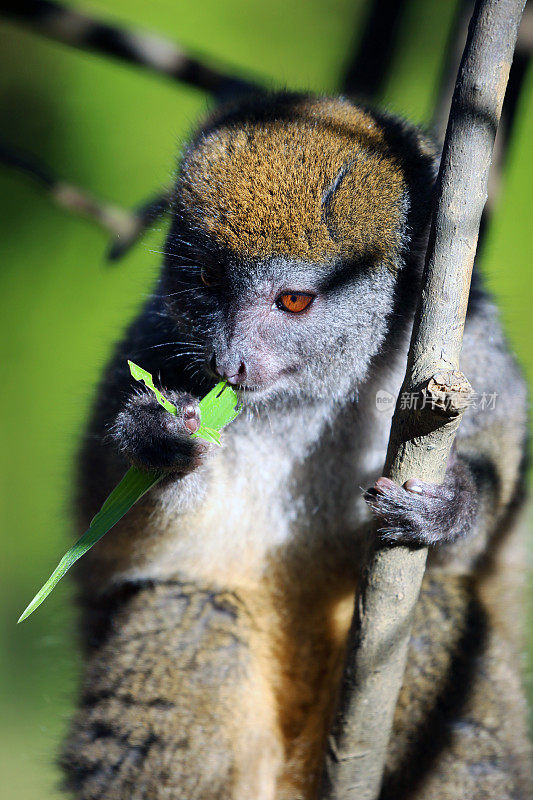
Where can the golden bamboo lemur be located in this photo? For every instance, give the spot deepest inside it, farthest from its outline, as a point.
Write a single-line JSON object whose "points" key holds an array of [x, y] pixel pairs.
{"points": [[216, 612]]}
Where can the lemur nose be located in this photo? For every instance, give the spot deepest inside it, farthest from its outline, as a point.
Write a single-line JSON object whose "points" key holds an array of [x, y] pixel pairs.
{"points": [[227, 373], [239, 376]]}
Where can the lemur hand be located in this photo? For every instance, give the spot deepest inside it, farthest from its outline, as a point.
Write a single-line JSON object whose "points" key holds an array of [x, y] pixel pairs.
{"points": [[419, 513], [152, 438]]}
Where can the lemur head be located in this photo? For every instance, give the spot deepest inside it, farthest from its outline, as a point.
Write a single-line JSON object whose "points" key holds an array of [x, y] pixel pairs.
{"points": [[294, 227]]}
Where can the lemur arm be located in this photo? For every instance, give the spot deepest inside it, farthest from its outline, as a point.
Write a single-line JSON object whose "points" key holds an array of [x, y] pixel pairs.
{"points": [[485, 470]]}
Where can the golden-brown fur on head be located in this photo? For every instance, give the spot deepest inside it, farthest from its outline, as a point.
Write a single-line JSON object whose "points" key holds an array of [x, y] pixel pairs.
{"points": [[315, 181]]}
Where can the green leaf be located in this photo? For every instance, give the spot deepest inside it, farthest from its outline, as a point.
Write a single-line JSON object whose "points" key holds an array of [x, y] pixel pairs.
{"points": [[218, 408], [131, 488], [141, 375], [209, 434]]}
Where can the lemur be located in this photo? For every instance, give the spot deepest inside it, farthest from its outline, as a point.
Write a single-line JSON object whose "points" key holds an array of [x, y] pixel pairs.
{"points": [[215, 615]]}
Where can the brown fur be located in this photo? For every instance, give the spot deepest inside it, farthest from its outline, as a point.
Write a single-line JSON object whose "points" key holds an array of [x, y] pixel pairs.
{"points": [[474, 744], [177, 651], [247, 187]]}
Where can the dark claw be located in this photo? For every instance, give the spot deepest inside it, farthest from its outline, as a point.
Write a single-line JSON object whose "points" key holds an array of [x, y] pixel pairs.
{"points": [[384, 485]]}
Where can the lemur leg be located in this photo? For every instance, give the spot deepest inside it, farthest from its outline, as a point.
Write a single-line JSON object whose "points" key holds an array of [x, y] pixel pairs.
{"points": [[172, 705]]}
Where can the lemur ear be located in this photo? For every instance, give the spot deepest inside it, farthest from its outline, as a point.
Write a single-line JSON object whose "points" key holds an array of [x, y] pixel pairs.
{"points": [[363, 207], [380, 198], [416, 151]]}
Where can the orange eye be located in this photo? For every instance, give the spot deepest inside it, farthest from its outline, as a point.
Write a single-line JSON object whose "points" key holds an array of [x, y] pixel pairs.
{"points": [[294, 302]]}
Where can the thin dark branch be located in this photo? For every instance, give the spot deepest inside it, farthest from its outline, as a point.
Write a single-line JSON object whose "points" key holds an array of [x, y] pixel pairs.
{"points": [[143, 49], [28, 165], [453, 52], [146, 215], [420, 442], [123, 225], [148, 50]]}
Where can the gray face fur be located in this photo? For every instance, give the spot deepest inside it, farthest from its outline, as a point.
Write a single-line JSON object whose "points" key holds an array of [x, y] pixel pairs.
{"points": [[324, 350]]}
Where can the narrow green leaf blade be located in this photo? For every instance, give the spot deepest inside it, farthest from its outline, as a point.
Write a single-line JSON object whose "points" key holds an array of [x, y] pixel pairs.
{"points": [[131, 488], [140, 374], [208, 434], [219, 407]]}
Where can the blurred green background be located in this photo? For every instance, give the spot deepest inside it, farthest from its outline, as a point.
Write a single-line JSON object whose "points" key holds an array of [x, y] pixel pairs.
{"points": [[116, 131]]}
